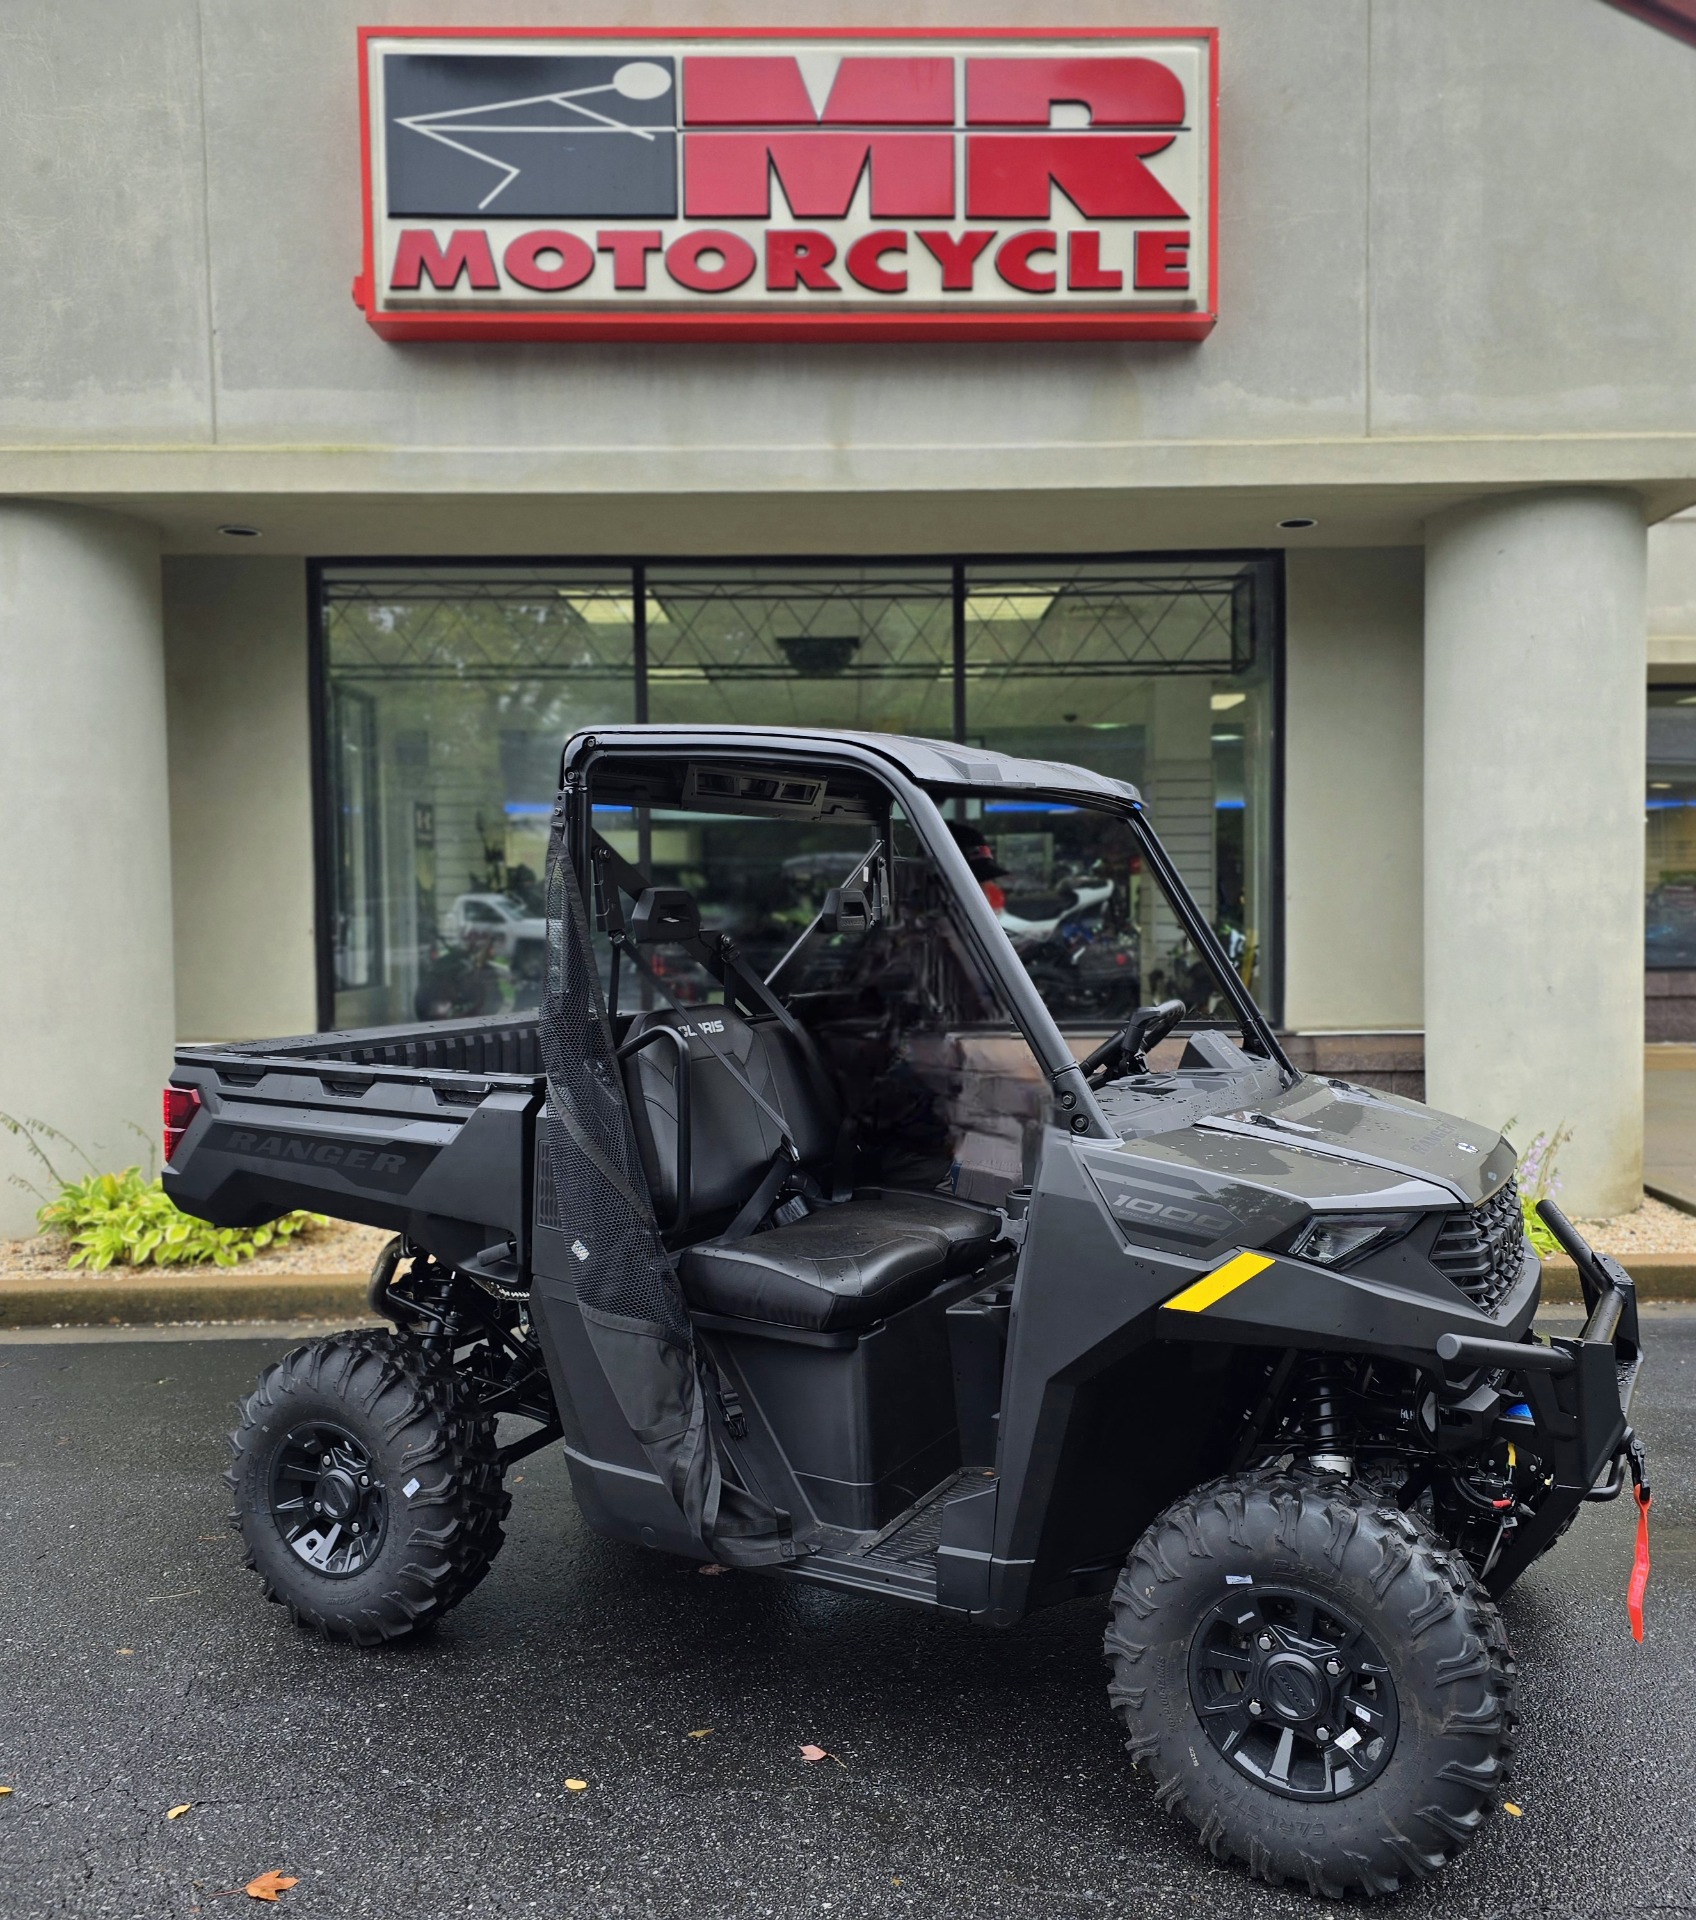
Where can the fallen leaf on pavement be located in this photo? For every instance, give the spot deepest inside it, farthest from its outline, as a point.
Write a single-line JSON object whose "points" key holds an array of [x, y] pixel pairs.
{"points": [[126, 1650], [700, 1733], [5, 1790], [710, 1566], [267, 1886], [811, 1754], [576, 1786], [1509, 1807], [176, 1813]]}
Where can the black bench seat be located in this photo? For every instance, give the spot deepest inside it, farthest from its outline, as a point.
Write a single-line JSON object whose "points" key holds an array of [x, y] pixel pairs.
{"points": [[843, 1266]]}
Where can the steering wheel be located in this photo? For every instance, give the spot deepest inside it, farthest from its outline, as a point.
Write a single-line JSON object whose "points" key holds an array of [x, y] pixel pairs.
{"points": [[1128, 1048]]}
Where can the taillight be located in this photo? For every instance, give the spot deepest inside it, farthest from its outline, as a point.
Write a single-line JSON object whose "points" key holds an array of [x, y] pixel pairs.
{"points": [[181, 1105]]}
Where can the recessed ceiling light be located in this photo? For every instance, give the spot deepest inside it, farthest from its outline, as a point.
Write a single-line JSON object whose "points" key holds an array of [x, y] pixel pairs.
{"points": [[1292, 525], [1661, 786], [1224, 702], [240, 533]]}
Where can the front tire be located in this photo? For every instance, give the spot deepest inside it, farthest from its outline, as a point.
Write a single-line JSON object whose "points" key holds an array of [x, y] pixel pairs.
{"points": [[367, 1487], [1314, 1680]]}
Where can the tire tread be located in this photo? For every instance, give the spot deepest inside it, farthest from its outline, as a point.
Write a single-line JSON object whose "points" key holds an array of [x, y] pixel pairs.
{"points": [[377, 1373], [1454, 1634]]}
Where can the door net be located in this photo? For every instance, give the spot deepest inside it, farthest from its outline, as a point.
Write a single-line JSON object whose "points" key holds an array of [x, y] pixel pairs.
{"points": [[627, 1290]]}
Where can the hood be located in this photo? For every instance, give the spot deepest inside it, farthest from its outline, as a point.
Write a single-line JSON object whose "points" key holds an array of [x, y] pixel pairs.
{"points": [[1326, 1142]]}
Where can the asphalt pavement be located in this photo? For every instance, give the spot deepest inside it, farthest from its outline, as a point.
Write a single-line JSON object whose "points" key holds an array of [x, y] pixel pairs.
{"points": [[975, 1774]]}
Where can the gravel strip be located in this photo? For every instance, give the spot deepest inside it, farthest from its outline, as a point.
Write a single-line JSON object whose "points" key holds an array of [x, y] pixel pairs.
{"points": [[1653, 1228]]}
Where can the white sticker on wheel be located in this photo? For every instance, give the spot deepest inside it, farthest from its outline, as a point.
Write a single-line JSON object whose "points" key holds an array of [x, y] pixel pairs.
{"points": [[412, 1486]]}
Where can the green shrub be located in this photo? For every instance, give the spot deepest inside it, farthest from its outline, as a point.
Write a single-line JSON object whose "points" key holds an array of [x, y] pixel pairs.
{"points": [[1539, 1181], [127, 1219]]}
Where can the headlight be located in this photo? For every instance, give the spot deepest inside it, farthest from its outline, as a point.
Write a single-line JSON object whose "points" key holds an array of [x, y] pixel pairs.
{"points": [[1333, 1238]]}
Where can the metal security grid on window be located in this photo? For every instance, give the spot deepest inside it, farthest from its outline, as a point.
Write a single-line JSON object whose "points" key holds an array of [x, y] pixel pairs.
{"points": [[1083, 621], [765, 625], [435, 626]]}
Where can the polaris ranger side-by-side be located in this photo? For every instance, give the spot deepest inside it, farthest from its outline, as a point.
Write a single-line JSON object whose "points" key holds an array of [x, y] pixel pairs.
{"points": [[796, 1218]]}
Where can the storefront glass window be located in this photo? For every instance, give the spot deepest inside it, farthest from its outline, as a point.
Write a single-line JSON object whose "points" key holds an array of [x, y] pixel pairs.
{"points": [[450, 695], [1670, 831], [1158, 673], [449, 691]]}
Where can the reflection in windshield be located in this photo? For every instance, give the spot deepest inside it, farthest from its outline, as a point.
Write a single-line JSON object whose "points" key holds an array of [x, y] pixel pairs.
{"points": [[1095, 930]]}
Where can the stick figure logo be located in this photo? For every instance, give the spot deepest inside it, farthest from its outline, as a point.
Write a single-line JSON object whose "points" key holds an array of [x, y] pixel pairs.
{"points": [[522, 136]]}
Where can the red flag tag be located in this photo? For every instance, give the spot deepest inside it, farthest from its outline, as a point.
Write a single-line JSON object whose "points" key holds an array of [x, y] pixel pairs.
{"points": [[1639, 1567]]}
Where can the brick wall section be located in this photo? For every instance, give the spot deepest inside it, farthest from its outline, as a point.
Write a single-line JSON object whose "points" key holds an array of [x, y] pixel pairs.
{"points": [[1392, 1062], [1669, 1005]]}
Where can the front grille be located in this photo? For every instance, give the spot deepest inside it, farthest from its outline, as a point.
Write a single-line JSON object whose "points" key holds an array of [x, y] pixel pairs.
{"points": [[1481, 1249]]}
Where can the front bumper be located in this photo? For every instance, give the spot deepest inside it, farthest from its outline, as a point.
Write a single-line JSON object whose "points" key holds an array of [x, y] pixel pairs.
{"points": [[1578, 1391]]}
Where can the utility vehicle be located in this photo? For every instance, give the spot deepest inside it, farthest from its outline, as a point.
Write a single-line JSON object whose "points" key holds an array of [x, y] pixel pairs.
{"points": [[866, 1273]]}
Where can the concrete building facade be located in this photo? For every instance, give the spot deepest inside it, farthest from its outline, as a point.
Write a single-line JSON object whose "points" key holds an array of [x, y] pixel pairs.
{"points": [[1440, 444]]}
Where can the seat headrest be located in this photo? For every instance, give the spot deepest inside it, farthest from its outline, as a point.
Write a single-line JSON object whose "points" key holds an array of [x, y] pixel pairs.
{"points": [[664, 914]]}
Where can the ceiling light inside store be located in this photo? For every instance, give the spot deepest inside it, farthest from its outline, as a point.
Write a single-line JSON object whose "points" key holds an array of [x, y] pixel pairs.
{"points": [[1224, 702], [1661, 786], [602, 612], [240, 533], [1292, 526], [1008, 606]]}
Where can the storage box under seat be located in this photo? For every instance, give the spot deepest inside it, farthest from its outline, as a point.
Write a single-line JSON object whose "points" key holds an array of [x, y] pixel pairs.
{"points": [[866, 1419]]}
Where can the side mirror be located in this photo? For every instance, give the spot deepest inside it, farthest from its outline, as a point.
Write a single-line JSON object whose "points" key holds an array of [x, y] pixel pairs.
{"points": [[847, 910]]}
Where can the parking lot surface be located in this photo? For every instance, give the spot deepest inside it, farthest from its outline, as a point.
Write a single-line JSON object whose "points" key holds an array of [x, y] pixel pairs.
{"points": [[974, 1774]]}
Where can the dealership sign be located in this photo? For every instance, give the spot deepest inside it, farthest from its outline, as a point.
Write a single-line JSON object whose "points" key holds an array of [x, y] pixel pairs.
{"points": [[604, 184]]}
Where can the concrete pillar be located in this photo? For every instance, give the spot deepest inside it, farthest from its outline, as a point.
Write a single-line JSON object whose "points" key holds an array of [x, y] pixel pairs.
{"points": [[85, 853], [1353, 858], [241, 795], [1534, 742]]}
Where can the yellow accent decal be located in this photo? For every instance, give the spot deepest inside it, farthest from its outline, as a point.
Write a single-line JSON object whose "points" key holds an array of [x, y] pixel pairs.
{"points": [[1221, 1281]]}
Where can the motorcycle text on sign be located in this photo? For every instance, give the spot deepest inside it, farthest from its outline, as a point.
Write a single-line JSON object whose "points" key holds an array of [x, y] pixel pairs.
{"points": [[533, 185]]}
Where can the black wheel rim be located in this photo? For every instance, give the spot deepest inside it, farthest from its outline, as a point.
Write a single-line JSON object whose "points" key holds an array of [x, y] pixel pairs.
{"points": [[1293, 1693], [328, 1500]]}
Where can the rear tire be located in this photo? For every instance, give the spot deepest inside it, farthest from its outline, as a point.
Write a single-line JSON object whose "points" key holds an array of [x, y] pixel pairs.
{"points": [[367, 1487], [1242, 1599]]}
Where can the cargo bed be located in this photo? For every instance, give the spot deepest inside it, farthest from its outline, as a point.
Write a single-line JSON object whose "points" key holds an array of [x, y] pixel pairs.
{"points": [[428, 1130]]}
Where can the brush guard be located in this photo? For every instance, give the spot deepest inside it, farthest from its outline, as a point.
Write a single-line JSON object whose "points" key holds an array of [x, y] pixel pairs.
{"points": [[1578, 1393]]}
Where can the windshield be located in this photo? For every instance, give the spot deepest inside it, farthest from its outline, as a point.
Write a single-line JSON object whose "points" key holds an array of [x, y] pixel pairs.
{"points": [[1076, 891]]}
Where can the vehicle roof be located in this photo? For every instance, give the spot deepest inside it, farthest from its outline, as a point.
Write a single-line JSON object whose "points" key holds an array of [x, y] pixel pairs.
{"points": [[931, 763]]}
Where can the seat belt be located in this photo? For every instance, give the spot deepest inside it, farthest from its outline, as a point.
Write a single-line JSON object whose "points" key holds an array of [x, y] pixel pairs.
{"points": [[757, 1205], [613, 871]]}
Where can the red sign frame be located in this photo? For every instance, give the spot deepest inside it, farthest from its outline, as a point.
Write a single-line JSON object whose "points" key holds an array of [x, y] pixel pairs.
{"points": [[989, 324]]}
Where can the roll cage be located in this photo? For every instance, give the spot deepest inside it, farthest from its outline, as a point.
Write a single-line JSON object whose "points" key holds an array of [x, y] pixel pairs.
{"points": [[922, 782]]}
